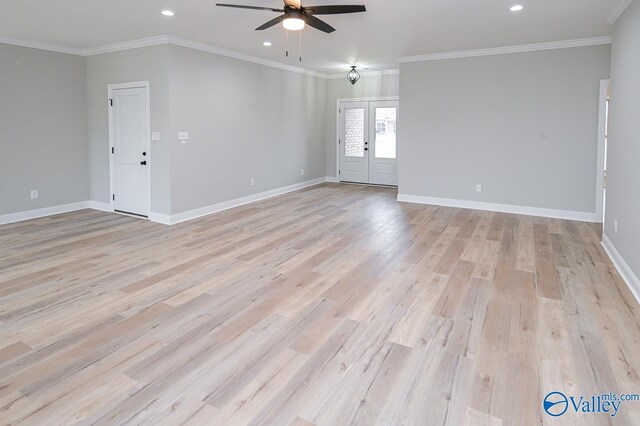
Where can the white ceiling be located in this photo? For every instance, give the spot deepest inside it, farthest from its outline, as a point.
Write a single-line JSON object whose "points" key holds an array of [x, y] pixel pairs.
{"points": [[388, 30]]}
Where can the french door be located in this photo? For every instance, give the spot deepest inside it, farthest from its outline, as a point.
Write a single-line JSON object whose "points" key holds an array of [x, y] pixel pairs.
{"points": [[368, 142]]}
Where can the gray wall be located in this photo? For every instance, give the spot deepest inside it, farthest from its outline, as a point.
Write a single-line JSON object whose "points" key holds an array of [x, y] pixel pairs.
{"points": [[369, 86], [524, 126], [149, 63], [244, 120], [43, 131], [623, 162]]}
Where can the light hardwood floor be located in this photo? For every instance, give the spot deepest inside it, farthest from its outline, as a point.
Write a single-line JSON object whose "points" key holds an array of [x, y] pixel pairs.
{"points": [[328, 306]]}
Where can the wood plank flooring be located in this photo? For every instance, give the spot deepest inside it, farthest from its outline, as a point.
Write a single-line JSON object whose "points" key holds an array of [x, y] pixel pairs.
{"points": [[332, 305]]}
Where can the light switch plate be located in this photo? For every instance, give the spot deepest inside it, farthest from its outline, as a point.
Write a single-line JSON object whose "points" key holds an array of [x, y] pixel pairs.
{"points": [[155, 136], [183, 136]]}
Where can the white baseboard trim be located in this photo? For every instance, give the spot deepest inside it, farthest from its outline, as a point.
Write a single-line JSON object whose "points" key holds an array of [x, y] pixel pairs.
{"points": [[225, 205], [624, 270], [99, 205], [333, 179], [162, 218], [502, 208], [46, 211]]}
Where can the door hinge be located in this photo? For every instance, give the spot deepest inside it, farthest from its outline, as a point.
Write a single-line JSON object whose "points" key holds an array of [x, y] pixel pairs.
{"points": [[112, 150], [339, 141], [110, 102], [114, 197], [339, 172], [339, 110]]}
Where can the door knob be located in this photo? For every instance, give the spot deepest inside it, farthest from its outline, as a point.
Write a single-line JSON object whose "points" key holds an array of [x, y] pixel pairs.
{"points": [[366, 149], [144, 153], [143, 163]]}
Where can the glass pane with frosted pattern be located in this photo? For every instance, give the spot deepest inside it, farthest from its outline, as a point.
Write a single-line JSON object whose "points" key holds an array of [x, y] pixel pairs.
{"points": [[354, 132]]}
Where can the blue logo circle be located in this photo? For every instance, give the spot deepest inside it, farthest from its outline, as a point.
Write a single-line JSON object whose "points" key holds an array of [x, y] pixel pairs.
{"points": [[555, 404]]}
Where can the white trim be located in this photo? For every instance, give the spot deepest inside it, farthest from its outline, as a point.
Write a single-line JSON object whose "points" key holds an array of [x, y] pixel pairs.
{"points": [[110, 89], [99, 205], [593, 41], [225, 205], [502, 208], [333, 179], [364, 73], [40, 45], [340, 100], [602, 118], [162, 218], [127, 45], [618, 11], [624, 270], [237, 55], [45, 211]]}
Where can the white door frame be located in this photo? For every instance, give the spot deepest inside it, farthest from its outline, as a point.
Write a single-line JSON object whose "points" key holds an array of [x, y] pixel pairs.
{"points": [[604, 89], [338, 102], [110, 89]]}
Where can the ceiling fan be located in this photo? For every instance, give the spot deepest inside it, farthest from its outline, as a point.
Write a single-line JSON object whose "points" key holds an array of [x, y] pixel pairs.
{"points": [[295, 16]]}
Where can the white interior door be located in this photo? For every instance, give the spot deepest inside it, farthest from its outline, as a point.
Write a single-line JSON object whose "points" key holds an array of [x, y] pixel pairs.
{"points": [[130, 150], [354, 150], [383, 159], [367, 142]]}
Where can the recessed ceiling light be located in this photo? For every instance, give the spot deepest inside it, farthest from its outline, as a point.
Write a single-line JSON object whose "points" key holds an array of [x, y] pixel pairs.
{"points": [[516, 8], [168, 13], [266, 43]]}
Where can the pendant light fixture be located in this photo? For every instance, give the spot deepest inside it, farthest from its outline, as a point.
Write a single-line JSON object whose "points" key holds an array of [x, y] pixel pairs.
{"points": [[353, 75]]}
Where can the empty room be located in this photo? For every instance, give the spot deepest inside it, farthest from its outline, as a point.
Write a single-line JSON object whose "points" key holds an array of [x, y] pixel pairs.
{"points": [[275, 212]]}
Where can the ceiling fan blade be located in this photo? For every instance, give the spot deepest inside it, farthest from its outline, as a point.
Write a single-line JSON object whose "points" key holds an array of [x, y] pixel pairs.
{"points": [[318, 24], [292, 3], [335, 10], [239, 6], [271, 23]]}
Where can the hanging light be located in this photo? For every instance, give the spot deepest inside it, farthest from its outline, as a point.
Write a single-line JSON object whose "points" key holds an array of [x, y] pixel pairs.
{"points": [[353, 75]]}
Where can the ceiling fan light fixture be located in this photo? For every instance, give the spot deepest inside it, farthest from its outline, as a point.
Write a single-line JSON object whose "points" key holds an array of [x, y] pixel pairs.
{"points": [[293, 24], [353, 76]]}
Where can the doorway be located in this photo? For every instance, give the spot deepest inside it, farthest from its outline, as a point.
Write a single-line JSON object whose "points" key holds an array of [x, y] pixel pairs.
{"points": [[367, 142], [129, 148]]}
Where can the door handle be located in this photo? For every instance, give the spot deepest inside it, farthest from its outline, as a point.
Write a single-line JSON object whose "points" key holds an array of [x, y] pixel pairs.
{"points": [[144, 154], [366, 149], [143, 163]]}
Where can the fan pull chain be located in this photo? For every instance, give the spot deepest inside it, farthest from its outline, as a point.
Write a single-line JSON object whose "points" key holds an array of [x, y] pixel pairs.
{"points": [[287, 43]]}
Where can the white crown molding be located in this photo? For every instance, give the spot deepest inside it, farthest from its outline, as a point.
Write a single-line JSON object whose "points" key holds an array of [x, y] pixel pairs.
{"points": [[581, 42], [39, 45], [127, 45], [618, 11], [501, 208], [365, 73], [237, 55], [632, 281]]}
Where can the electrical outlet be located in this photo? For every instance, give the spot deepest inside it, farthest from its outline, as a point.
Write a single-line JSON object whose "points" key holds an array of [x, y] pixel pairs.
{"points": [[302, 172], [615, 226], [252, 182], [34, 194], [478, 188]]}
